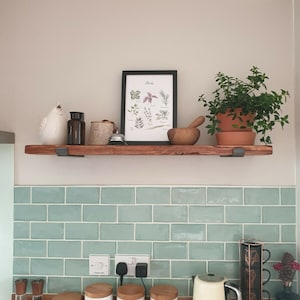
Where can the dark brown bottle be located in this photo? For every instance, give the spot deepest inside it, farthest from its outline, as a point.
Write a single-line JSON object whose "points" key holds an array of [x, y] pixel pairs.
{"points": [[76, 129]]}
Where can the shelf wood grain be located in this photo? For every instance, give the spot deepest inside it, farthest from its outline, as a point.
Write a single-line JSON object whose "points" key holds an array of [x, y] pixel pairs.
{"points": [[82, 150]]}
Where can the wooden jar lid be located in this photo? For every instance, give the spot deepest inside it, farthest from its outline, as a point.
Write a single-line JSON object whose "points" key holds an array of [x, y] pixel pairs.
{"points": [[98, 290], [130, 292], [163, 292], [67, 296]]}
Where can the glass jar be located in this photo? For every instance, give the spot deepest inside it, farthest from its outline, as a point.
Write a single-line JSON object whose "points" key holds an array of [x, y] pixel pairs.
{"points": [[130, 292], [98, 291], [163, 292], [76, 129]]}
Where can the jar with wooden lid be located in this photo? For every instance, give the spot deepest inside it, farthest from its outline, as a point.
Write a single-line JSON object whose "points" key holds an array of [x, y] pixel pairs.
{"points": [[67, 296], [163, 292], [98, 291], [130, 292]]}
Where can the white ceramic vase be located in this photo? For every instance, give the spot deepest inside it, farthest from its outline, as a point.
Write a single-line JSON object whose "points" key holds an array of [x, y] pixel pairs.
{"points": [[53, 128]]}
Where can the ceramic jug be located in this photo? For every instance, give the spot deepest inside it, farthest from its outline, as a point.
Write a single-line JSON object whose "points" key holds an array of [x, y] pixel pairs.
{"points": [[101, 132]]}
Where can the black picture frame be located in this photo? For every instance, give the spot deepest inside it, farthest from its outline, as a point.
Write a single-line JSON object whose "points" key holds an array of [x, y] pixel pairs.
{"points": [[148, 106]]}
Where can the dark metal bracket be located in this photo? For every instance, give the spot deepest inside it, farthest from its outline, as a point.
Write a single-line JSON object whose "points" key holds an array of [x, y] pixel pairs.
{"points": [[65, 152], [236, 152]]}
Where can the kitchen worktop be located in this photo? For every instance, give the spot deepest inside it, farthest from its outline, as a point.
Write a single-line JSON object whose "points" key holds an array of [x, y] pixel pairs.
{"points": [[50, 296]]}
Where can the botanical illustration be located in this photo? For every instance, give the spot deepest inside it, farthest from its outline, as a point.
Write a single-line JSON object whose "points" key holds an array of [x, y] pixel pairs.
{"points": [[149, 106]]}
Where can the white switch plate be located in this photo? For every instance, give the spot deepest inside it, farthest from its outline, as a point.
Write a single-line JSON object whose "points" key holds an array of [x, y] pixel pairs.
{"points": [[99, 264], [131, 261]]}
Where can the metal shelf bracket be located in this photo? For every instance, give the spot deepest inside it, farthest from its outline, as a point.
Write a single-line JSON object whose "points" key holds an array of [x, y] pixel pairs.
{"points": [[65, 152], [236, 152]]}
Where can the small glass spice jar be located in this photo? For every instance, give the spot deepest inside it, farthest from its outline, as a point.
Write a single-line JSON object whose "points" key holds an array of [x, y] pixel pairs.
{"points": [[98, 291], [130, 292], [76, 129]]}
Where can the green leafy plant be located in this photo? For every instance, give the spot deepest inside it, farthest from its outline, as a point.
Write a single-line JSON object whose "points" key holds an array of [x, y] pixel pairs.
{"points": [[251, 96]]}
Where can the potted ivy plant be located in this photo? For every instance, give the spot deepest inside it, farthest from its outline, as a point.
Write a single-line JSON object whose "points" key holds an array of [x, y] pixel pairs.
{"points": [[247, 104]]}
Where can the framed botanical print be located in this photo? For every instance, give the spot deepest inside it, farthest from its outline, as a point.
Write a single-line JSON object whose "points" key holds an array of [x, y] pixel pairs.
{"points": [[149, 106]]}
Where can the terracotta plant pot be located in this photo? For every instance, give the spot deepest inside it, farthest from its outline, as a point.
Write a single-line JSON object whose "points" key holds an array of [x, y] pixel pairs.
{"points": [[235, 138], [235, 131], [227, 123]]}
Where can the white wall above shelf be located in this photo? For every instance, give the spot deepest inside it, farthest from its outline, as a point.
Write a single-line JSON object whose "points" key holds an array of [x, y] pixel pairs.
{"points": [[82, 150]]}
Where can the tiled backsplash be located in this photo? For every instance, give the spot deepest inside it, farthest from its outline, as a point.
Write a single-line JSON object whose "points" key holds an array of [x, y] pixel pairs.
{"points": [[185, 230]]}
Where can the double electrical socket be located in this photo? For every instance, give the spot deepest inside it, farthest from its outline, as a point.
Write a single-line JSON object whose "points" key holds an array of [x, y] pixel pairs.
{"points": [[131, 261]]}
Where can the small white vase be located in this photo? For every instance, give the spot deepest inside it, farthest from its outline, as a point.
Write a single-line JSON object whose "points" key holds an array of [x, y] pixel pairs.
{"points": [[53, 128]]}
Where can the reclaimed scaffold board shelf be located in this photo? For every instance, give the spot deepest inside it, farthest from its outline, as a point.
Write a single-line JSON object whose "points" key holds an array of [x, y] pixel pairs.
{"points": [[83, 150]]}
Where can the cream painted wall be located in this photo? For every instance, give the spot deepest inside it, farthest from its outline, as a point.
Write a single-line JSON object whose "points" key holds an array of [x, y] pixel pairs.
{"points": [[74, 51]]}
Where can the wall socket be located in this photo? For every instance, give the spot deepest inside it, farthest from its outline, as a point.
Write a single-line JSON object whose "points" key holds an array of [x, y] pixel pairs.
{"points": [[131, 261], [99, 264]]}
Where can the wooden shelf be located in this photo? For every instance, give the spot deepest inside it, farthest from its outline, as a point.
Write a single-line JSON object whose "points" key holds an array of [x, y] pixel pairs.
{"points": [[82, 150]]}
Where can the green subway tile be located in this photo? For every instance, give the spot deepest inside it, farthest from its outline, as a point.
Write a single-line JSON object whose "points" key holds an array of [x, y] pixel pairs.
{"points": [[188, 232], [261, 196], [242, 214], [160, 268], [116, 231], [47, 266], [188, 195], [224, 232], [21, 266], [117, 195], [30, 212], [170, 250], [280, 214], [206, 251], [64, 213], [153, 195], [47, 230], [131, 213], [169, 213], [82, 231], [82, 195], [288, 233], [99, 247], [77, 267], [49, 194], [277, 250], [99, 213], [232, 251], [187, 269], [264, 233], [21, 230], [152, 232], [135, 247], [29, 248], [288, 196], [64, 249], [224, 268], [206, 214], [21, 194], [62, 284], [224, 195]]}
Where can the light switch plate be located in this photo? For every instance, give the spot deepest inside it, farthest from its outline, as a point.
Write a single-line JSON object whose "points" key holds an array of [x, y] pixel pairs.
{"points": [[99, 265]]}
